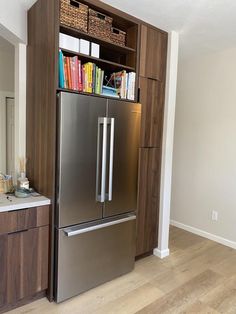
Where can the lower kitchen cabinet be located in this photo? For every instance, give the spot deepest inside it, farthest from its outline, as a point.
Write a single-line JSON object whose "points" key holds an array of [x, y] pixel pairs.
{"points": [[148, 200], [23, 264]]}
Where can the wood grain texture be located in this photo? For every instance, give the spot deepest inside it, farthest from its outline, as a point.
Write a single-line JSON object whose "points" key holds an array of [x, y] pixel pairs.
{"points": [[148, 200], [190, 280], [23, 263], [24, 219], [152, 98], [42, 51], [153, 53], [42, 83]]}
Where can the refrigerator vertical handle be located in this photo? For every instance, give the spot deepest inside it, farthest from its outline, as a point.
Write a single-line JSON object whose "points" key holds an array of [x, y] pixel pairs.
{"points": [[100, 197], [112, 121]]}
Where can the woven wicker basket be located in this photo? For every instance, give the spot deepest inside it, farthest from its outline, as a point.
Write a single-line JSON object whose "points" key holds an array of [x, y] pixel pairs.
{"points": [[6, 185], [74, 14], [118, 37], [99, 25]]}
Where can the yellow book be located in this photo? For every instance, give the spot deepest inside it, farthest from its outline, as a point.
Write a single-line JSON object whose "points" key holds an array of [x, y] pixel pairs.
{"points": [[90, 77]]}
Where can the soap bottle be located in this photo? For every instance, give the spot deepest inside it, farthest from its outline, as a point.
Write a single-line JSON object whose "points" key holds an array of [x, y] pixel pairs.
{"points": [[22, 181]]}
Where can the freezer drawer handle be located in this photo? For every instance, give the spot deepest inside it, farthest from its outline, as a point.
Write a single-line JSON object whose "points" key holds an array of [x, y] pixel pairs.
{"points": [[101, 197], [112, 121], [97, 227]]}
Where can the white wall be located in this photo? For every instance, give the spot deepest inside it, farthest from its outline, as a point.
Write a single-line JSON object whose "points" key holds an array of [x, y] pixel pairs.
{"points": [[7, 70], [6, 90], [13, 22], [167, 147], [204, 163], [13, 27]]}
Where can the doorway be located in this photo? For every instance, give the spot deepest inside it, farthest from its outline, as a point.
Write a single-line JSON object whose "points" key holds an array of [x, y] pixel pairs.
{"points": [[10, 135]]}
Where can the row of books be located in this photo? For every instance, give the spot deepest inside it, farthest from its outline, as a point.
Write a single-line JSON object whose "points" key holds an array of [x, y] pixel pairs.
{"points": [[80, 77], [89, 78], [124, 83]]}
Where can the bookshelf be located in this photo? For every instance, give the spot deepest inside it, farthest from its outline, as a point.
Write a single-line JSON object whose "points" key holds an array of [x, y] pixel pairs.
{"points": [[113, 57], [79, 34], [112, 66]]}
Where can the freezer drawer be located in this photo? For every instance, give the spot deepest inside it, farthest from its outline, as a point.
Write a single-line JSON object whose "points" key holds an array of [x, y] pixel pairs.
{"points": [[91, 254]]}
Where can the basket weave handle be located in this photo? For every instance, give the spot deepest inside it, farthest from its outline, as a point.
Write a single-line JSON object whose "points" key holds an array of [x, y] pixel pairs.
{"points": [[101, 16], [75, 3], [115, 30]]}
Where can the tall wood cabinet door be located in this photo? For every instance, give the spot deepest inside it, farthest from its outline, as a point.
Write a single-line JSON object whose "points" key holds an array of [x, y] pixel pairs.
{"points": [[3, 270], [152, 99], [23, 264], [34, 268], [153, 53], [148, 200]]}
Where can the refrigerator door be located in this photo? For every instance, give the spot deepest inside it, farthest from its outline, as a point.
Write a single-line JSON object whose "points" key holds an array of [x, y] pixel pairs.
{"points": [[91, 254], [81, 148], [122, 157]]}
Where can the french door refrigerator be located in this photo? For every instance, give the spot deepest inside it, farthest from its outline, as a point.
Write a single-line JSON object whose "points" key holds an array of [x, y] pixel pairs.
{"points": [[98, 142]]}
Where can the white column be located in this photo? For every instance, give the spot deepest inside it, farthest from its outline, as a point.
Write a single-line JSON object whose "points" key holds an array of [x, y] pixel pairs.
{"points": [[20, 103], [167, 149]]}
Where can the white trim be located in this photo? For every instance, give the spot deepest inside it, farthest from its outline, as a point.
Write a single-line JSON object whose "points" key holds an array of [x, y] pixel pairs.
{"points": [[3, 96], [168, 140], [20, 103], [204, 234], [161, 254]]}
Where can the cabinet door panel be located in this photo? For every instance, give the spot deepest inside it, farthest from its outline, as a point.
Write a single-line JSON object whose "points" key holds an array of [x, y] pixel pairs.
{"points": [[18, 220], [3, 270], [152, 100], [23, 264], [153, 53], [148, 200], [34, 266]]}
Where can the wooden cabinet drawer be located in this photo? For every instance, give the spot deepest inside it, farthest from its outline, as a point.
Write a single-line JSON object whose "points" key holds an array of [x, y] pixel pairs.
{"points": [[153, 53], [24, 219], [148, 200], [23, 264], [152, 99]]}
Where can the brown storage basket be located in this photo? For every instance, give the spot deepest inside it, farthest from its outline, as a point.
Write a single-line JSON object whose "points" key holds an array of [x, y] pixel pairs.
{"points": [[118, 37], [99, 25], [74, 14]]}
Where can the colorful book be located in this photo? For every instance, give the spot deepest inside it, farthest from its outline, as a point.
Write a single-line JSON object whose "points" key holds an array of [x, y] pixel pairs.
{"points": [[80, 87], [66, 71], [61, 70]]}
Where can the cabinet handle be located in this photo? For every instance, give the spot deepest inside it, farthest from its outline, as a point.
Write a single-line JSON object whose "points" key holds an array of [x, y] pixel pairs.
{"points": [[69, 232], [19, 231], [138, 100]]}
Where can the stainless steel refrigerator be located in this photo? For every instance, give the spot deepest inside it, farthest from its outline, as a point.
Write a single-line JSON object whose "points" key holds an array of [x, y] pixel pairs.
{"points": [[98, 142]]}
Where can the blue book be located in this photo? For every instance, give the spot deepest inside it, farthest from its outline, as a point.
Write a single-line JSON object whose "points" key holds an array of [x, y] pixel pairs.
{"points": [[61, 70]]}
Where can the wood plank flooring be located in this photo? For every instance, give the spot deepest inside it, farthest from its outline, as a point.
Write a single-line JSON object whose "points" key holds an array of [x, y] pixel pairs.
{"points": [[199, 276]]}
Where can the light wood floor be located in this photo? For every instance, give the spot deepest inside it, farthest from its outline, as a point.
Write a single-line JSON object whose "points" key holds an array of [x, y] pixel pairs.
{"points": [[199, 276]]}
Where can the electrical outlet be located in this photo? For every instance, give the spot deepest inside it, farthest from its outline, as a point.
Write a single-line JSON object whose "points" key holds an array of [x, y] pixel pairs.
{"points": [[214, 215]]}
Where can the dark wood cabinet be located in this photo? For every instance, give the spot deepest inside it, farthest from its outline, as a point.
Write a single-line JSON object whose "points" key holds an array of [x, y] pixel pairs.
{"points": [[23, 256], [24, 219], [153, 53], [148, 200], [145, 53], [152, 99], [152, 81]]}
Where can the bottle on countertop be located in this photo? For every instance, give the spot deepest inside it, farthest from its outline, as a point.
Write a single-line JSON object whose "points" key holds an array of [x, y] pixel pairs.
{"points": [[22, 181]]}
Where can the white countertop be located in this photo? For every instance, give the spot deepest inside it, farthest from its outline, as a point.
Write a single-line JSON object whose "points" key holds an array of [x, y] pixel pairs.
{"points": [[15, 203]]}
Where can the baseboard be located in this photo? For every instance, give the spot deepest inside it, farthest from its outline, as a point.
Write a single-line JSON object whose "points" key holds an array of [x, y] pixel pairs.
{"points": [[161, 253], [204, 234]]}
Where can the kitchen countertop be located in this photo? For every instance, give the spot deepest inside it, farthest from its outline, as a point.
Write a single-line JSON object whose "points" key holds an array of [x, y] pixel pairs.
{"points": [[15, 203]]}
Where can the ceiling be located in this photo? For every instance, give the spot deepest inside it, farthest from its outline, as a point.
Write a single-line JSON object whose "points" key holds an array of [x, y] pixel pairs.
{"points": [[204, 26]]}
